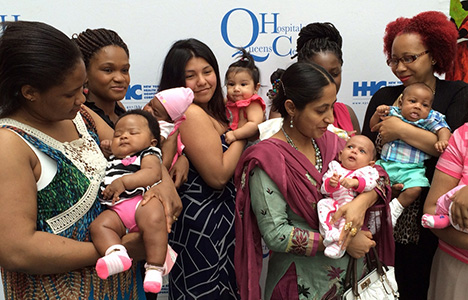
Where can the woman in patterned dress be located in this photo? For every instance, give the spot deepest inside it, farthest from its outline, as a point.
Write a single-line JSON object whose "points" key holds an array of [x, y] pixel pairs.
{"points": [[51, 170], [204, 234]]}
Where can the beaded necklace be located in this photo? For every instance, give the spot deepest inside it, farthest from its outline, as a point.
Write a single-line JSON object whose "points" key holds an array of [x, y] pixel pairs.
{"points": [[318, 155]]}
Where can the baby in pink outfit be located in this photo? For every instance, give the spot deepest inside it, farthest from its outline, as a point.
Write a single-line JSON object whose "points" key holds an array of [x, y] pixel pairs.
{"points": [[443, 216], [133, 167], [243, 102], [343, 181]]}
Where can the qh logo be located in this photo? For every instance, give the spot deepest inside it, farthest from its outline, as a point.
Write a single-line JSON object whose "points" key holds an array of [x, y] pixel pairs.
{"points": [[267, 35], [7, 18]]}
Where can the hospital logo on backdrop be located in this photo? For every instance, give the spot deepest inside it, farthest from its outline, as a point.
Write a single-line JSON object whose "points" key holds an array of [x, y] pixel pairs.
{"points": [[267, 35], [141, 92], [364, 90], [7, 18]]}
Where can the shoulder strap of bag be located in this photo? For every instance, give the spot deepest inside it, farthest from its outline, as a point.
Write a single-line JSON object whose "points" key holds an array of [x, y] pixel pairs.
{"points": [[351, 280]]}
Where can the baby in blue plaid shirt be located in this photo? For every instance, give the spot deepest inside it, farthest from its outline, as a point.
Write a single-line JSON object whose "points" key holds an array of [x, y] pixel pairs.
{"points": [[403, 162]]}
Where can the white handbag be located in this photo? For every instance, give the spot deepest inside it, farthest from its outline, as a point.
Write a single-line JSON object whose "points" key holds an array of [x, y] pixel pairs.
{"points": [[379, 284]]}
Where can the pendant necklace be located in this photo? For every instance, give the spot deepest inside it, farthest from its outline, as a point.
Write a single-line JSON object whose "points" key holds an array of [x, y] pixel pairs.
{"points": [[318, 155]]}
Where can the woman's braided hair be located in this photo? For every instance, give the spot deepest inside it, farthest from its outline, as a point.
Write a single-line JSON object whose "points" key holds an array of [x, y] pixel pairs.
{"points": [[316, 38], [93, 40]]}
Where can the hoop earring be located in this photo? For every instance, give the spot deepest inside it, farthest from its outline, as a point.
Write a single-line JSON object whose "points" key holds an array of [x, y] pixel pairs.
{"points": [[291, 125]]}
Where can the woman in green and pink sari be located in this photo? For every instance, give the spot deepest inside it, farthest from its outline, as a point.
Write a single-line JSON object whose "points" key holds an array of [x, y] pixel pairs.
{"points": [[278, 183]]}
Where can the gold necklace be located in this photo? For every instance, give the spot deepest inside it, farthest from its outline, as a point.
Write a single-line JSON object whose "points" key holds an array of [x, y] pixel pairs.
{"points": [[318, 155]]}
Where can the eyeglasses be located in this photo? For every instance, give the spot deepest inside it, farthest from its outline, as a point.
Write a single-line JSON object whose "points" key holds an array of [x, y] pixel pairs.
{"points": [[406, 59]]}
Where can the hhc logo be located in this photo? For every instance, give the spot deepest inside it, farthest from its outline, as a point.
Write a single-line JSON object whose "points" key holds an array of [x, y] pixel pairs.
{"points": [[133, 92], [266, 24], [141, 92], [364, 87]]}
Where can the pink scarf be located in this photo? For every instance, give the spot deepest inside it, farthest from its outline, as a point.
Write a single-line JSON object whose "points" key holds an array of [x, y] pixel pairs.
{"points": [[286, 167]]}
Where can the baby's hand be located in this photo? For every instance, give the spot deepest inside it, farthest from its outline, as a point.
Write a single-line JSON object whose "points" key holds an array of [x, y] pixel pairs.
{"points": [[349, 182], [113, 190], [351, 133], [106, 147], [230, 137], [383, 110], [441, 145], [334, 180]]}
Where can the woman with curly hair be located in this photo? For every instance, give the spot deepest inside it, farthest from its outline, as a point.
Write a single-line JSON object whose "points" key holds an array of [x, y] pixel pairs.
{"points": [[416, 48]]}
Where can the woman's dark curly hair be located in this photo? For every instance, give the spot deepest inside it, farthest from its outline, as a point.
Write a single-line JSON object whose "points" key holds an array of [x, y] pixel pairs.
{"points": [[93, 40], [437, 33]]}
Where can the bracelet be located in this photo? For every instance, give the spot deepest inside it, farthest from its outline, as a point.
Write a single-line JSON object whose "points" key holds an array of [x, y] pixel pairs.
{"points": [[154, 184]]}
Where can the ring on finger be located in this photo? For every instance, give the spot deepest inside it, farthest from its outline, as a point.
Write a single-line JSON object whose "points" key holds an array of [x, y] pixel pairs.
{"points": [[175, 218], [353, 231], [348, 226]]}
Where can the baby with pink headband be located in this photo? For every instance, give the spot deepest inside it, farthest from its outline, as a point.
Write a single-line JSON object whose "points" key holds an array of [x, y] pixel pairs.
{"points": [[168, 107]]}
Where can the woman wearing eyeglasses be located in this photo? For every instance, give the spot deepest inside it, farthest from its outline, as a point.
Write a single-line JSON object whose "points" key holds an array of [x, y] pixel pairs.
{"points": [[416, 49]]}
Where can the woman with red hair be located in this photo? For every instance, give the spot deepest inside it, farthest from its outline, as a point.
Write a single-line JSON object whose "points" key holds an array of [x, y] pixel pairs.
{"points": [[416, 48]]}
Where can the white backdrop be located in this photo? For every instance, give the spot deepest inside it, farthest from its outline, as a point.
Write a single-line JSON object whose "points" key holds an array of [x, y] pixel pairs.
{"points": [[267, 28]]}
